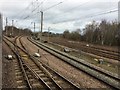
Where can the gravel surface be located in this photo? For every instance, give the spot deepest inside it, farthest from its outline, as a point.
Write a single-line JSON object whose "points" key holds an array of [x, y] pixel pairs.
{"points": [[76, 76], [8, 73]]}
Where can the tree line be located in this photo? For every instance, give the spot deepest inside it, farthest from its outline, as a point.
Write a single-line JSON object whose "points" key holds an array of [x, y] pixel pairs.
{"points": [[13, 31], [103, 33]]}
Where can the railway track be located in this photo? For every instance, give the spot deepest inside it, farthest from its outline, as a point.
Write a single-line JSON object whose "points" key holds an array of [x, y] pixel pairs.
{"points": [[21, 82], [60, 80], [40, 73], [19, 76], [110, 54], [107, 77], [32, 80], [25, 76], [101, 52]]}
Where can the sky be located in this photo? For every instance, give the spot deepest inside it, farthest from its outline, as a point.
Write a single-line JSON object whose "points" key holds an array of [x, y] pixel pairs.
{"points": [[59, 15]]}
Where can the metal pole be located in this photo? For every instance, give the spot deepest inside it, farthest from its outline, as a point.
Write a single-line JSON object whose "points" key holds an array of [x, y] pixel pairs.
{"points": [[41, 25], [48, 33], [12, 27], [34, 27], [6, 25], [34, 30], [119, 12]]}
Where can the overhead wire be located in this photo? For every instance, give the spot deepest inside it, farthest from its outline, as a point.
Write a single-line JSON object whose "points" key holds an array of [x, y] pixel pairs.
{"points": [[23, 11], [38, 6], [81, 4], [43, 10], [70, 10], [28, 16], [53, 6], [85, 17]]}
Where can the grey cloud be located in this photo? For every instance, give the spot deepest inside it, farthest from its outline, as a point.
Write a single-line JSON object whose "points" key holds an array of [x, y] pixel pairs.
{"points": [[80, 12], [67, 11]]}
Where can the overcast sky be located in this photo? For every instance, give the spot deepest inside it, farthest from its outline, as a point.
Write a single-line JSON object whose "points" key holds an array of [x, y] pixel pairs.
{"points": [[59, 15]]}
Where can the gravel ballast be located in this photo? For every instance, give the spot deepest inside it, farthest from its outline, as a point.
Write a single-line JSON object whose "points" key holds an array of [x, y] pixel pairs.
{"points": [[76, 76]]}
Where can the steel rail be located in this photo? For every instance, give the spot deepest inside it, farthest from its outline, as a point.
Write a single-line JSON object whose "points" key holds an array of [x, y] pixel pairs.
{"points": [[109, 54], [50, 69], [113, 75], [44, 70], [95, 72], [19, 57], [24, 73], [50, 87], [45, 66]]}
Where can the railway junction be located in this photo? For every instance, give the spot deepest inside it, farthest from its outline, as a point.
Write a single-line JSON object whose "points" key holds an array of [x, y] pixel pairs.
{"points": [[53, 69], [38, 56]]}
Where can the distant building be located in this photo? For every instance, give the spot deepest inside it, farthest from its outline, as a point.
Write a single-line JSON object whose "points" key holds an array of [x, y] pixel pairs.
{"points": [[119, 11]]}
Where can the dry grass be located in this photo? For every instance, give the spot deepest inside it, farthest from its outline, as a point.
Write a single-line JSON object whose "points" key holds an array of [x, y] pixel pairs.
{"points": [[76, 44], [106, 65]]}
